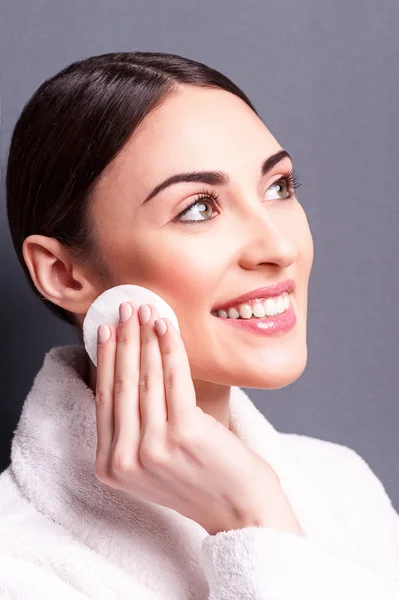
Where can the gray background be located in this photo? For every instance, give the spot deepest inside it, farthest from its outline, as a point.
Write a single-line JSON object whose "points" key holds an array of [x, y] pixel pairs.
{"points": [[324, 76]]}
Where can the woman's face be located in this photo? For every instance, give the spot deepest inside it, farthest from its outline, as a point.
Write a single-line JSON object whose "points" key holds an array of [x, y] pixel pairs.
{"points": [[254, 238]]}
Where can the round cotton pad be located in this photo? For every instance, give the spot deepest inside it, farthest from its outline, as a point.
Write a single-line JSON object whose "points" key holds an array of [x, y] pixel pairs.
{"points": [[105, 309]]}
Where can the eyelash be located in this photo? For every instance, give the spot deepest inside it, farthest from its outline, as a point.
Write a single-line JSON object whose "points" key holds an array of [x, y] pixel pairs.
{"points": [[290, 177]]}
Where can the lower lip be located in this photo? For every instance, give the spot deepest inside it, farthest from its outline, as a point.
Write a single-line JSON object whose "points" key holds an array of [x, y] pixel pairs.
{"points": [[265, 325]]}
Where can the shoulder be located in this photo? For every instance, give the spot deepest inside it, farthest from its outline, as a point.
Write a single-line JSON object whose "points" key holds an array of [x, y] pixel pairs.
{"points": [[331, 460], [358, 493], [317, 451]]}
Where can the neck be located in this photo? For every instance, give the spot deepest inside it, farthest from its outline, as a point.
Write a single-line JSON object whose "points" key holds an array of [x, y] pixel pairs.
{"points": [[212, 398]]}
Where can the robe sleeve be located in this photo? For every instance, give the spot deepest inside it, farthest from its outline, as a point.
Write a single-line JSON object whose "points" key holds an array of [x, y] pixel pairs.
{"points": [[269, 564]]}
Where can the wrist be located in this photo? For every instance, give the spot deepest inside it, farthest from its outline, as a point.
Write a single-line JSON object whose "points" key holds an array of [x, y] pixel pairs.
{"points": [[274, 513]]}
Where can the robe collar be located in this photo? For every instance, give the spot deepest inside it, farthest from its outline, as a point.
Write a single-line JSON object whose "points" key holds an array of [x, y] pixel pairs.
{"points": [[53, 456]]}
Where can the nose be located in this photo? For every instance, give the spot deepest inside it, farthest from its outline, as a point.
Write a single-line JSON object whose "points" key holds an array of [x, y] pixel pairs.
{"points": [[266, 239]]}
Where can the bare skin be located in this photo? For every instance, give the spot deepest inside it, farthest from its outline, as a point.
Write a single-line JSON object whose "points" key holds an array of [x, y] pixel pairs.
{"points": [[156, 443], [254, 238]]}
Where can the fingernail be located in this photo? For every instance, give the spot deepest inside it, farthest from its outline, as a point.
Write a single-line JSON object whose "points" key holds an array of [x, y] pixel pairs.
{"points": [[125, 312], [160, 326], [144, 313], [103, 333]]}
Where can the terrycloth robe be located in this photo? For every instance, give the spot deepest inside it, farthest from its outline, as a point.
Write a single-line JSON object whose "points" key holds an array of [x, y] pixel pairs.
{"points": [[64, 534]]}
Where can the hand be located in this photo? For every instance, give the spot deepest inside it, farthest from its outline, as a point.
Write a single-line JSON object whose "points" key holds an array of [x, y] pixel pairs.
{"points": [[156, 443]]}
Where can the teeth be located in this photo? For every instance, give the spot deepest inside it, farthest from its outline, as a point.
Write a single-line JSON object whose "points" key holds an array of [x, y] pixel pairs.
{"points": [[271, 307], [245, 311], [258, 309], [233, 313], [261, 308]]}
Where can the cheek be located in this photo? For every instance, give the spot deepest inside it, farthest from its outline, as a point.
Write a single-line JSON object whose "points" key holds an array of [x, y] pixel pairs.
{"points": [[188, 274], [300, 233], [183, 271], [306, 245]]}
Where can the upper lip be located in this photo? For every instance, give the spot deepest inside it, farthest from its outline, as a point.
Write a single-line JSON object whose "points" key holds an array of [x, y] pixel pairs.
{"points": [[288, 285]]}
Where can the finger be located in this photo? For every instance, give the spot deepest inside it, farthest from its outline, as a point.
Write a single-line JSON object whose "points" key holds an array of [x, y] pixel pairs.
{"points": [[127, 364], [151, 387], [179, 386], [105, 392]]}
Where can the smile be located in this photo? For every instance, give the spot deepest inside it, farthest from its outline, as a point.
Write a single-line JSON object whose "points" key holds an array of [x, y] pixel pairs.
{"points": [[258, 308]]}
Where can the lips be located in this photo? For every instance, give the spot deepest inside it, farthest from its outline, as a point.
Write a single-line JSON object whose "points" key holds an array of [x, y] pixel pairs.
{"points": [[288, 285]]}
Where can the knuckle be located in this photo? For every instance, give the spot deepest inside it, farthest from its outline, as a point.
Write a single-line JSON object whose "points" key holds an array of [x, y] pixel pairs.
{"points": [[122, 384], [122, 462], [152, 457], [122, 335], [144, 383], [168, 348], [169, 380], [146, 338], [100, 470], [102, 397], [185, 434], [180, 436]]}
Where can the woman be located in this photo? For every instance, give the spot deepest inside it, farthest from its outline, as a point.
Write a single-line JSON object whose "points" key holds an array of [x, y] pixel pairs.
{"points": [[154, 475]]}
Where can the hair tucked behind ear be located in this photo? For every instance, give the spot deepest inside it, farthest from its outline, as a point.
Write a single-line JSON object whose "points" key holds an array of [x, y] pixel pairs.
{"points": [[73, 126]]}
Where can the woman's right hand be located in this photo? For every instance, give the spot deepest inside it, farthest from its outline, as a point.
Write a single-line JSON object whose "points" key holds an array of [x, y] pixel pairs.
{"points": [[153, 441]]}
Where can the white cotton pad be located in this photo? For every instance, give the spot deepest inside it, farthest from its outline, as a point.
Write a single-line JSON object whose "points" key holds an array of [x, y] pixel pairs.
{"points": [[105, 309]]}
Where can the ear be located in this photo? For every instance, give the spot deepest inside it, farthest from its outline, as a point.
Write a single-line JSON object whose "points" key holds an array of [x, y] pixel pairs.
{"points": [[57, 276]]}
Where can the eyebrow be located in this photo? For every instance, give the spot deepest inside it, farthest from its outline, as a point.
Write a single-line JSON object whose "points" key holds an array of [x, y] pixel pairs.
{"points": [[214, 177]]}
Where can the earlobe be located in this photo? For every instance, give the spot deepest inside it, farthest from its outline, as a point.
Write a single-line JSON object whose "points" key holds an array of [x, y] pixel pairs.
{"points": [[56, 275]]}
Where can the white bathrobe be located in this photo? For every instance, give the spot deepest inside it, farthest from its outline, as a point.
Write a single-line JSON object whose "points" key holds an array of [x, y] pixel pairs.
{"points": [[64, 534]]}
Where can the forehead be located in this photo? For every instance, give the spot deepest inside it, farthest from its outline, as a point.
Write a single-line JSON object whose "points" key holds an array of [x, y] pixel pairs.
{"points": [[195, 128]]}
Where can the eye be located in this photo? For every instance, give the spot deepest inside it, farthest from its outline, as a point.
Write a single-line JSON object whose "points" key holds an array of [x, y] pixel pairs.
{"points": [[285, 185], [205, 197], [282, 186]]}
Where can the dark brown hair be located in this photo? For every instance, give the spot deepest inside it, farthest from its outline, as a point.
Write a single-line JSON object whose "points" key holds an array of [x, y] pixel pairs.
{"points": [[72, 127]]}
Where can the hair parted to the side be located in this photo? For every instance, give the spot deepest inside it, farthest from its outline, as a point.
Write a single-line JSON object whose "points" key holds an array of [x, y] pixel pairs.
{"points": [[72, 127]]}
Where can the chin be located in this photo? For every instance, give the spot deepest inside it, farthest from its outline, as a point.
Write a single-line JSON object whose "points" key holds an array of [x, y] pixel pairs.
{"points": [[274, 380], [273, 374]]}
